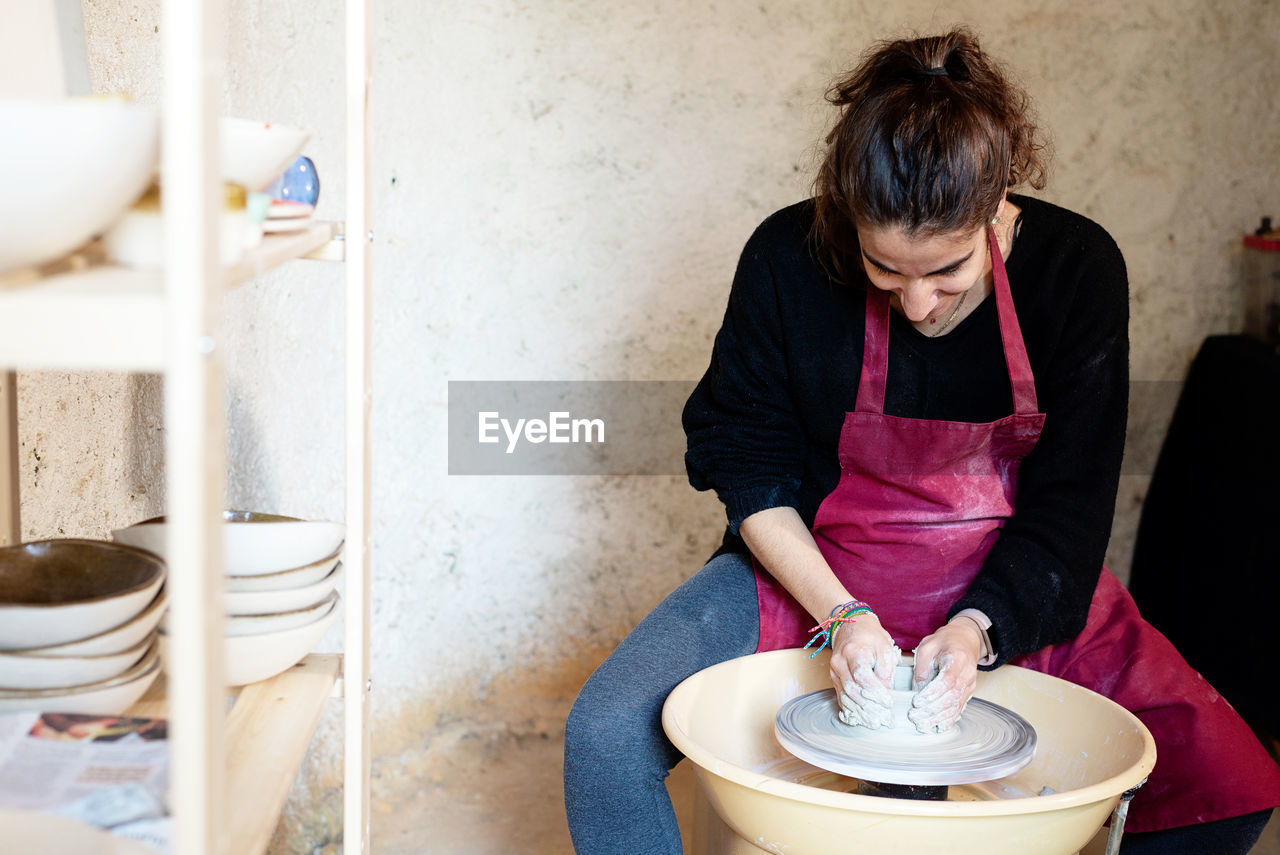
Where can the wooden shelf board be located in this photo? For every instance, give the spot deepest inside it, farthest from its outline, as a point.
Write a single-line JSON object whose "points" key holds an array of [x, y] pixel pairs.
{"points": [[276, 249], [269, 729], [111, 318]]}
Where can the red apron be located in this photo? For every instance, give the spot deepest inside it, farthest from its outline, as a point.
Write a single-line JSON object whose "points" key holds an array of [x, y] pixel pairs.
{"points": [[928, 499]]}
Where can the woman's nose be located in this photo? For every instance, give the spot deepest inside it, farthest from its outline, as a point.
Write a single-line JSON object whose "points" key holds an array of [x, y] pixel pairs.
{"points": [[918, 300]]}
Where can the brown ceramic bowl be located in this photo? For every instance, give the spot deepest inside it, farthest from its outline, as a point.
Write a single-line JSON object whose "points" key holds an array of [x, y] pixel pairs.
{"points": [[55, 591]]}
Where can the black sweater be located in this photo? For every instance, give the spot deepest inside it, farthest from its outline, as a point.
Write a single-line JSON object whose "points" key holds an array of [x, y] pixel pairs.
{"points": [[764, 422]]}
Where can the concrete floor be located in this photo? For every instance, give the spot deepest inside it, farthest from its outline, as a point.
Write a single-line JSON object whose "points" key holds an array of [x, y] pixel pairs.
{"points": [[512, 805], [1269, 844]]}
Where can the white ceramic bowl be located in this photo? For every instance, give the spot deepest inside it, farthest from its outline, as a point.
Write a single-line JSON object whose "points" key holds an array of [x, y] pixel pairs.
{"points": [[279, 621], [113, 640], [253, 544], [256, 153], [69, 167], [265, 602], [251, 658], [55, 591], [31, 671], [286, 580], [106, 697], [136, 239]]}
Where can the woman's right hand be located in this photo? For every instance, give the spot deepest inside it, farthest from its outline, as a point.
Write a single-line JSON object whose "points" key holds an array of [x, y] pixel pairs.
{"points": [[863, 657]]}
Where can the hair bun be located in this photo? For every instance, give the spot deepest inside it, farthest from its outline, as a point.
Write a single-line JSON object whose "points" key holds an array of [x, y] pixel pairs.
{"points": [[925, 158]]}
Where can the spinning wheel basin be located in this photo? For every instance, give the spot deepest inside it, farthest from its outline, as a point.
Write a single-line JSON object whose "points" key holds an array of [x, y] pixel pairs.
{"points": [[1090, 750]]}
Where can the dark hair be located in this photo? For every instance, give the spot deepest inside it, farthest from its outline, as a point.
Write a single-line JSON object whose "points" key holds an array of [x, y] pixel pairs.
{"points": [[930, 135]]}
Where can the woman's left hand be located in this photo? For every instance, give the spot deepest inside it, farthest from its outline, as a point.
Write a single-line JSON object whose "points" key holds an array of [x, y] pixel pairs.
{"points": [[946, 675]]}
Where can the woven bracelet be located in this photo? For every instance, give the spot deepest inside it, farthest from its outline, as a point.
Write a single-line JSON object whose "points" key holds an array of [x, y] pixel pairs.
{"points": [[843, 613]]}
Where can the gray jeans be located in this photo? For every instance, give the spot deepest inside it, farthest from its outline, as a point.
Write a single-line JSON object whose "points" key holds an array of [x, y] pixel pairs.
{"points": [[616, 756]]}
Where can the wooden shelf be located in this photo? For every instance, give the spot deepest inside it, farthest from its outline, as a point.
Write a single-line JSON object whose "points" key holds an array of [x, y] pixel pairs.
{"points": [[276, 249], [111, 318], [268, 731], [230, 772]]}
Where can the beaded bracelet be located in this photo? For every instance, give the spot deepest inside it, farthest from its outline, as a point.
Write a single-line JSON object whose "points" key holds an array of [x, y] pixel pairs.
{"points": [[843, 613]]}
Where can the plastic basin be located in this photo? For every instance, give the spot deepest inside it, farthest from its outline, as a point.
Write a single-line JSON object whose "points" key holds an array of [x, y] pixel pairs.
{"points": [[1090, 750]]}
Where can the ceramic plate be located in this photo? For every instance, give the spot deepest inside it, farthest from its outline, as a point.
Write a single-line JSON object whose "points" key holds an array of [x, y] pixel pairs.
{"points": [[284, 209], [988, 742], [286, 224]]}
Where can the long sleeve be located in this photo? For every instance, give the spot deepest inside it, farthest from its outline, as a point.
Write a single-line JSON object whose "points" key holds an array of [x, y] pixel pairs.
{"points": [[744, 440]]}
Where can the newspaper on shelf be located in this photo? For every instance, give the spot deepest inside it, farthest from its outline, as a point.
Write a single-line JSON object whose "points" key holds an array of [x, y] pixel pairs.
{"points": [[107, 771]]}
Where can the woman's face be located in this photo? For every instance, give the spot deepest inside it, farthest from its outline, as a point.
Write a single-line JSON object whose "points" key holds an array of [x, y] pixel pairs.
{"points": [[924, 275]]}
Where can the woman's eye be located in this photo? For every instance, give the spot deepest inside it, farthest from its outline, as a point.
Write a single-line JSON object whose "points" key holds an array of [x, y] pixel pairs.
{"points": [[884, 271]]}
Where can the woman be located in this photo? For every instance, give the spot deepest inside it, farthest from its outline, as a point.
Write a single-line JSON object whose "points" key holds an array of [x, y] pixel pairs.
{"points": [[914, 415]]}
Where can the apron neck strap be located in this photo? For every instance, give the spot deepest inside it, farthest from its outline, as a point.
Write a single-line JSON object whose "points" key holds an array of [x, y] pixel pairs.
{"points": [[875, 345], [1021, 379]]}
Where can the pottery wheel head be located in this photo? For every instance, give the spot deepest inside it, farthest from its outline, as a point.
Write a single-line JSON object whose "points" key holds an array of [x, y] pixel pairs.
{"points": [[988, 742]]}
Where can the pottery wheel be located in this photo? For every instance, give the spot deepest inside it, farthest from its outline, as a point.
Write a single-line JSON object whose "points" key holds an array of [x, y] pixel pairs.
{"points": [[988, 742]]}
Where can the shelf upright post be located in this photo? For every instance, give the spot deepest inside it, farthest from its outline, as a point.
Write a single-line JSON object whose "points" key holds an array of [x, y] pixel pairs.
{"points": [[10, 519], [359, 327], [195, 441]]}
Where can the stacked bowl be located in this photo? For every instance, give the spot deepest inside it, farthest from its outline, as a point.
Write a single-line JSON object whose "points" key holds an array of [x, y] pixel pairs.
{"points": [[281, 575], [78, 626]]}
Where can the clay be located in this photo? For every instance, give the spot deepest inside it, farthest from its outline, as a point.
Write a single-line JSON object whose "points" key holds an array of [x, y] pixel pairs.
{"points": [[864, 702], [988, 742]]}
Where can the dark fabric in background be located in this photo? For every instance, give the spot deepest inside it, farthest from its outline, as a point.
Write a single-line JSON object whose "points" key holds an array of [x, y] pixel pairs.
{"points": [[1206, 563]]}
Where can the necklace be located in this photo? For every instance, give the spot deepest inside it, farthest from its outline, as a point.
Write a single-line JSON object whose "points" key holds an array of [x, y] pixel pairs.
{"points": [[954, 312]]}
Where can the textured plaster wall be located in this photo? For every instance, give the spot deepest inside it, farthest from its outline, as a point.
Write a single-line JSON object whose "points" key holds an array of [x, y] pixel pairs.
{"points": [[561, 191]]}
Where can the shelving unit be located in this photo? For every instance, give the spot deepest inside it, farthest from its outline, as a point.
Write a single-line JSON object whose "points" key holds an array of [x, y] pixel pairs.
{"points": [[230, 774]]}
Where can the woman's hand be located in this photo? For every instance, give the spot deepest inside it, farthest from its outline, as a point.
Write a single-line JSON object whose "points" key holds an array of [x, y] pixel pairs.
{"points": [[946, 675], [863, 657]]}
